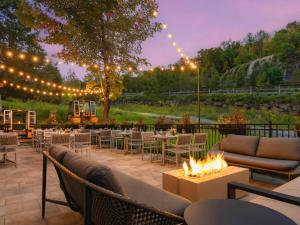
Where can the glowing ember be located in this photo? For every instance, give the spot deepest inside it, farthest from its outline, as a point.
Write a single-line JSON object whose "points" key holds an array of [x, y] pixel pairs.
{"points": [[212, 164]]}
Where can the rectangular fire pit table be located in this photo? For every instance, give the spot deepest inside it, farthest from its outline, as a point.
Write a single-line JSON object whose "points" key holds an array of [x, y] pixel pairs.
{"points": [[213, 186]]}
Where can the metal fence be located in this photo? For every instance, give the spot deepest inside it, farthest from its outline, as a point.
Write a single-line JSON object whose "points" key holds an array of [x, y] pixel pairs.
{"points": [[215, 132]]}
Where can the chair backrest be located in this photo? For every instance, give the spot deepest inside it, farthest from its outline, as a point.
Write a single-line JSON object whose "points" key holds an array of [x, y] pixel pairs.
{"points": [[82, 138], [105, 133], [115, 133], [60, 138], [9, 140], [136, 135], [148, 136], [184, 139], [107, 207], [199, 138]]}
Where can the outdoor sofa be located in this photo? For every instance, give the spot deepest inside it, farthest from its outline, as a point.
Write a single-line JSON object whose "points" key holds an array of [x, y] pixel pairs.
{"points": [[106, 196], [280, 155]]}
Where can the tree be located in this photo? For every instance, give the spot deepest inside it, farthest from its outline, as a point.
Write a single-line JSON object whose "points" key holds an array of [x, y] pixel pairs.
{"points": [[106, 33], [18, 37]]}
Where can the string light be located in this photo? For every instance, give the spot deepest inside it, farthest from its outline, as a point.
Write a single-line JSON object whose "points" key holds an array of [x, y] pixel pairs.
{"points": [[35, 59], [170, 36], [155, 13], [36, 79], [22, 56], [9, 54], [164, 26]]}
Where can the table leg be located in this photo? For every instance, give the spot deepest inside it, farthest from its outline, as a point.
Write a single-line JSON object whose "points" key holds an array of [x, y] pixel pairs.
{"points": [[163, 151]]}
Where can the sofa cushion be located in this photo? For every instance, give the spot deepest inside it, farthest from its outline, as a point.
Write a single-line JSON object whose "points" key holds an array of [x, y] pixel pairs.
{"points": [[279, 148], [245, 145], [94, 172], [152, 196], [264, 163], [58, 152]]}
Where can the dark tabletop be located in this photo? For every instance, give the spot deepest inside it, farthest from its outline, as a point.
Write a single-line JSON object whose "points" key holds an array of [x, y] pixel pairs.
{"points": [[233, 212]]}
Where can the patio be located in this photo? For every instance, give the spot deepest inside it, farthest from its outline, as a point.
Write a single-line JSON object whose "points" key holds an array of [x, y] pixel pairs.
{"points": [[20, 188]]}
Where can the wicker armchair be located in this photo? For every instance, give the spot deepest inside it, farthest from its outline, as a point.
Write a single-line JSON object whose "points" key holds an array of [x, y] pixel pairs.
{"points": [[104, 138], [198, 144], [183, 144], [149, 143], [82, 142], [8, 144], [101, 206], [135, 141]]}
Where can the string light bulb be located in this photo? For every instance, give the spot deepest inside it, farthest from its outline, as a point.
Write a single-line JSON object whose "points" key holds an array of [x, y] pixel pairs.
{"points": [[164, 26], [174, 43], [9, 54], [22, 56], [182, 68], [35, 59], [170, 36], [155, 13]]}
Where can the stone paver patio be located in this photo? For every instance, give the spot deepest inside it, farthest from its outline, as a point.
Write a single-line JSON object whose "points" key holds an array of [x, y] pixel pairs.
{"points": [[20, 188]]}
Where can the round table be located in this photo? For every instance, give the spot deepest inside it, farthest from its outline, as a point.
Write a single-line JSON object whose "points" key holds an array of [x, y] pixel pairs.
{"points": [[233, 212]]}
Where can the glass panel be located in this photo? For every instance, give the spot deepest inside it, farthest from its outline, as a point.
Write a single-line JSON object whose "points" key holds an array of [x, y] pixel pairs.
{"points": [[93, 108], [8, 118], [31, 119], [76, 108]]}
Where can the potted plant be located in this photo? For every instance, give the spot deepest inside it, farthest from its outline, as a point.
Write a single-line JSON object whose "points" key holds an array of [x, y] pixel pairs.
{"points": [[185, 125], [126, 125], [235, 123], [140, 125], [163, 123]]}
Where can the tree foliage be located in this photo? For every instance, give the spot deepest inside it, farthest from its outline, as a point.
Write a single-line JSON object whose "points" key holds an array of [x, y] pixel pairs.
{"points": [[106, 33]]}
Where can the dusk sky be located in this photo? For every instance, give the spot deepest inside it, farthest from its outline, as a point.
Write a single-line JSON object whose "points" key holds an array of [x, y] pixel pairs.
{"points": [[197, 24]]}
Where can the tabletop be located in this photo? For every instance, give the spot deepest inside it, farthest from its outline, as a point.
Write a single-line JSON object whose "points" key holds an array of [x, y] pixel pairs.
{"points": [[233, 212]]}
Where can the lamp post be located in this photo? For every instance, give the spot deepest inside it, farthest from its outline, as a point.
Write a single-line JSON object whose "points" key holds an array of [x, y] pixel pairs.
{"points": [[198, 96]]}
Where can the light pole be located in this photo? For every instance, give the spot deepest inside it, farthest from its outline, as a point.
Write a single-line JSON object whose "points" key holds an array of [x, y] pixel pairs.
{"points": [[198, 96]]}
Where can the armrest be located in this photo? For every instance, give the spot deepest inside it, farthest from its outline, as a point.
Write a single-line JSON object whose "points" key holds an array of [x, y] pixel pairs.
{"points": [[233, 186]]}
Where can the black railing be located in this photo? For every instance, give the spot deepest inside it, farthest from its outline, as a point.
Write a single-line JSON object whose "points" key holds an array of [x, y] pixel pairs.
{"points": [[215, 132]]}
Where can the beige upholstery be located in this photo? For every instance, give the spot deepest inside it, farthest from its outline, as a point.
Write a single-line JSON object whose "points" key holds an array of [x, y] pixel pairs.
{"points": [[272, 164], [279, 148], [245, 145], [145, 193]]}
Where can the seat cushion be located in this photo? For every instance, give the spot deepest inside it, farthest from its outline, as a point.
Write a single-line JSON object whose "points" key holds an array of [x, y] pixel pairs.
{"points": [[264, 163], [245, 145], [279, 148], [93, 172], [152, 196], [58, 152]]}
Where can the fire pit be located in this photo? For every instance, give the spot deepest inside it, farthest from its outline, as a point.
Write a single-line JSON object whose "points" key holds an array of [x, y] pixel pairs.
{"points": [[206, 179]]}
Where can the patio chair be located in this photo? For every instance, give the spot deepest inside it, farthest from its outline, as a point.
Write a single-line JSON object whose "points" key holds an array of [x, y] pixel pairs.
{"points": [[61, 139], [198, 144], [135, 141], [82, 142], [149, 143], [116, 138], [183, 144], [104, 138], [9, 144]]}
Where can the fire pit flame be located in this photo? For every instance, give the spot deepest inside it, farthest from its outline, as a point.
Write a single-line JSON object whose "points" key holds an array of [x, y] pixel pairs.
{"points": [[212, 164]]}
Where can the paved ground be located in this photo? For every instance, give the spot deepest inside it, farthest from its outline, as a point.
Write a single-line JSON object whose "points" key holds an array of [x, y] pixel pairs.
{"points": [[20, 188]]}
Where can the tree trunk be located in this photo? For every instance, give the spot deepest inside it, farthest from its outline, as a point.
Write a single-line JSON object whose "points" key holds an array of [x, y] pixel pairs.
{"points": [[105, 115]]}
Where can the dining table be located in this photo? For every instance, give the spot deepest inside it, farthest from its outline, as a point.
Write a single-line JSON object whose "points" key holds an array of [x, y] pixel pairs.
{"points": [[164, 138]]}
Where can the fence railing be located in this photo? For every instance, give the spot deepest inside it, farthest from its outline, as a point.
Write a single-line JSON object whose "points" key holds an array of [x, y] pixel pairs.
{"points": [[215, 132], [264, 90]]}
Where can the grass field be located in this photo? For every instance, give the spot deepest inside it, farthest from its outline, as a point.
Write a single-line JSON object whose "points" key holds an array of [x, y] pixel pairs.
{"points": [[131, 112]]}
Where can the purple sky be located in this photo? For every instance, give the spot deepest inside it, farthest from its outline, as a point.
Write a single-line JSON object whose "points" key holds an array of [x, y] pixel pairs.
{"points": [[197, 24]]}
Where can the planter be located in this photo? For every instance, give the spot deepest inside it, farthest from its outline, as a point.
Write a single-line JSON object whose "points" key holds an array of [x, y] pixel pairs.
{"points": [[163, 127], [187, 128], [239, 129]]}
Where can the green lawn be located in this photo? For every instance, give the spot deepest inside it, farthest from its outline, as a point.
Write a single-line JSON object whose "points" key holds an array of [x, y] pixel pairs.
{"points": [[131, 112]]}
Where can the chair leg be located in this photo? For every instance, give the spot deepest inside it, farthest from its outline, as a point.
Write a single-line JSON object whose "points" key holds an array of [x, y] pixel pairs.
{"points": [[44, 182], [15, 158]]}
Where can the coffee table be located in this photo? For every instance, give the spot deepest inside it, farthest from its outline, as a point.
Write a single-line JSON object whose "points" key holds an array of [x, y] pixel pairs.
{"points": [[233, 212]]}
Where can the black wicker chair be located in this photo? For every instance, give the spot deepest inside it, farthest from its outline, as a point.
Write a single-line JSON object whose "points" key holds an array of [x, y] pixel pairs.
{"points": [[102, 206]]}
